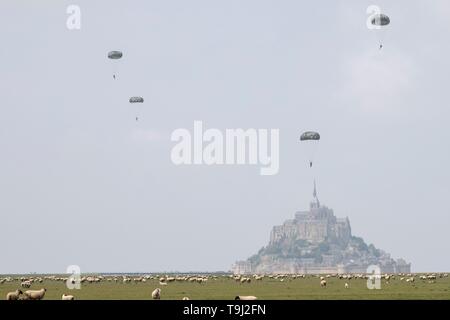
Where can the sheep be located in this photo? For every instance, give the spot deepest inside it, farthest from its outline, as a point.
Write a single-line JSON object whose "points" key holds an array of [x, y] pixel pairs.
{"points": [[346, 285], [67, 297], [35, 294], [156, 294], [136, 280], [163, 283], [14, 295], [185, 298], [26, 284], [245, 298], [323, 283]]}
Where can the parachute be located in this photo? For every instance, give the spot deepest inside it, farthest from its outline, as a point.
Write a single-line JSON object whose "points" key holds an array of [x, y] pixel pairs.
{"points": [[136, 100], [310, 138], [115, 55], [310, 135], [381, 20]]}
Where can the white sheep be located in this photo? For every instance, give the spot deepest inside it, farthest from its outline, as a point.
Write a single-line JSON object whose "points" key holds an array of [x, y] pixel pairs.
{"points": [[14, 295], [156, 294], [323, 283], [67, 297], [35, 294], [346, 285], [26, 284], [185, 298]]}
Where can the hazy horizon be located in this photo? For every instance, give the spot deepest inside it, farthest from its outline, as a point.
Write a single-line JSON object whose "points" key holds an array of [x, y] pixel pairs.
{"points": [[83, 183]]}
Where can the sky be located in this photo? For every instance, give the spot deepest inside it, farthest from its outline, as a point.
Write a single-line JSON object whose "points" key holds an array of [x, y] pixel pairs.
{"points": [[83, 183]]}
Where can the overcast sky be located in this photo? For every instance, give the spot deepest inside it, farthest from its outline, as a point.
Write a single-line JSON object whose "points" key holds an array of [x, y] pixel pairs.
{"points": [[81, 182]]}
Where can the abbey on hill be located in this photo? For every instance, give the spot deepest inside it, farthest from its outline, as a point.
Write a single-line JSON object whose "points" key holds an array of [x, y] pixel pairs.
{"points": [[315, 241]]}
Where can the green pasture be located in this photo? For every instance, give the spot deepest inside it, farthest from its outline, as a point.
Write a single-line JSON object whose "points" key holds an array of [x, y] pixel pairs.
{"points": [[226, 288]]}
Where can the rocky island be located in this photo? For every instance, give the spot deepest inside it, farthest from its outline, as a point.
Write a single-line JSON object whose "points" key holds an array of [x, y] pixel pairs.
{"points": [[316, 241]]}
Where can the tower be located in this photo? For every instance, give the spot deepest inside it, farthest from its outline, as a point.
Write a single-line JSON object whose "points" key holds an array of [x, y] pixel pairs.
{"points": [[315, 202]]}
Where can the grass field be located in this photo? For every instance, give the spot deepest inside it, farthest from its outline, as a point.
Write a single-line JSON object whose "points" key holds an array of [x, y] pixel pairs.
{"points": [[225, 288]]}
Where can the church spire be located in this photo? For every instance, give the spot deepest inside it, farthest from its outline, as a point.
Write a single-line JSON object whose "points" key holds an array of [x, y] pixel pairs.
{"points": [[315, 195]]}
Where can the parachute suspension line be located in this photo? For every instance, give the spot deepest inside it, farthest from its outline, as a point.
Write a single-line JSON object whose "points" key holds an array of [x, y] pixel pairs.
{"points": [[380, 22]]}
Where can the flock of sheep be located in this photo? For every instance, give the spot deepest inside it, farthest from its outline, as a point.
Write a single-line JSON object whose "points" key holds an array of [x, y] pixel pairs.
{"points": [[27, 282]]}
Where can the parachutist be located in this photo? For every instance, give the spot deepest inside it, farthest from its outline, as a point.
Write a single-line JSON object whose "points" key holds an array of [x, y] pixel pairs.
{"points": [[310, 164], [137, 118], [114, 76], [381, 46]]}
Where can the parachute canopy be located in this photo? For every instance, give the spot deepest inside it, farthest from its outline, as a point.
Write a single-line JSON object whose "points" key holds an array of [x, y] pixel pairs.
{"points": [[115, 55], [380, 20], [310, 135], [136, 100]]}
